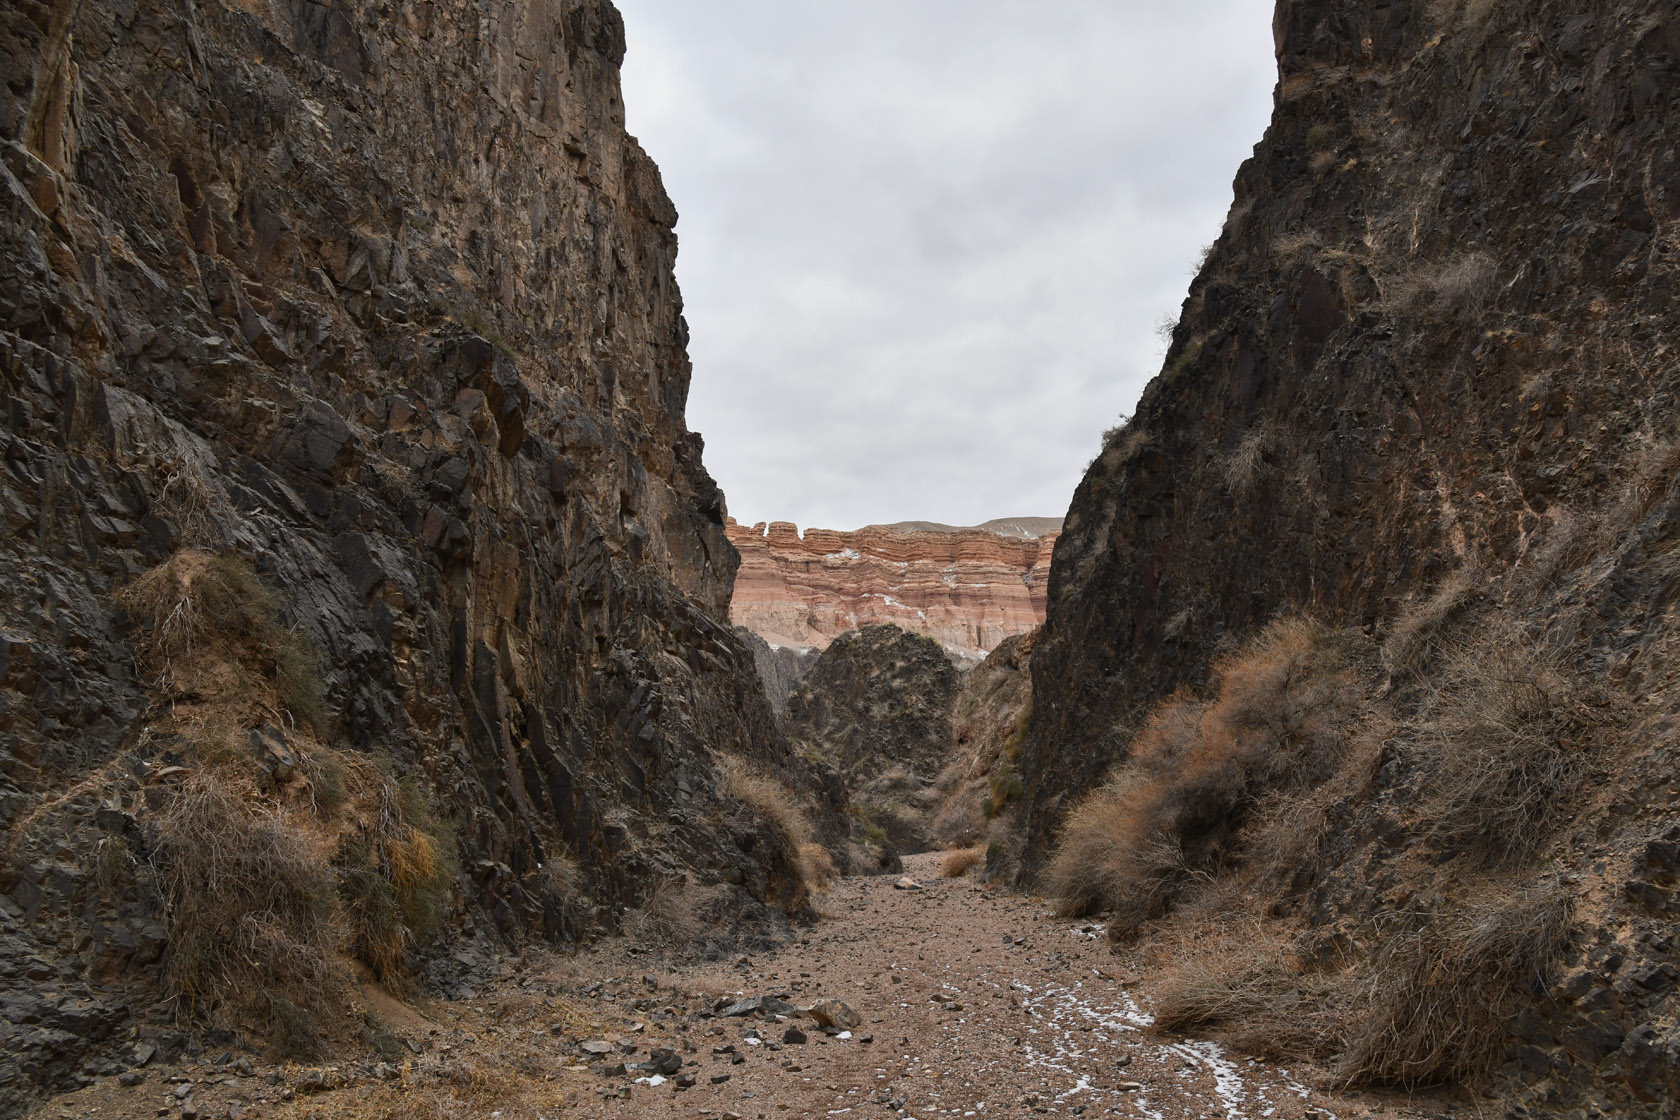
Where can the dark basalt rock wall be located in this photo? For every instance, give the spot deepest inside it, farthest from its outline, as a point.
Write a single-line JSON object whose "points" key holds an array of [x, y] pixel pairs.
{"points": [[1440, 316], [1437, 336], [381, 299], [873, 716]]}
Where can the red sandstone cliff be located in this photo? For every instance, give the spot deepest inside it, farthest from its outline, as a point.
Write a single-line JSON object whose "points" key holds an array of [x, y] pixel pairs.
{"points": [[966, 588]]}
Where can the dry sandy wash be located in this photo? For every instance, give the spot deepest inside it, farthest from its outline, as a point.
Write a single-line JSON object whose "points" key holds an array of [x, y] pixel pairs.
{"points": [[973, 1003]]}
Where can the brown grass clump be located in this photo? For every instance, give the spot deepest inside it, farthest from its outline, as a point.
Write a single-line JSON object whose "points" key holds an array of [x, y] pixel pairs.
{"points": [[1437, 1000], [1277, 718], [1244, 981], [395, 880], [205, 615], [279, 858], [958, 863], [249, 904], [1508, 736], [1428, 1004], [780, 808], [1414, 635]]}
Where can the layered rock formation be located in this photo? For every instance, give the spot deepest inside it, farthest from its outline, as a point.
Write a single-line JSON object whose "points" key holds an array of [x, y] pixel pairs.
{"points": [[379, 303], [968, 589], [1430, 366]]}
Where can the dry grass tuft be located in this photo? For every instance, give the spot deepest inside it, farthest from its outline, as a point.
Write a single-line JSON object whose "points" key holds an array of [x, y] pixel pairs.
{"points": [[1436, 1002], [1462, 286], [250, 908], [1277, 719], [780, 808], [958, 863], [1411, 640], [1245, 982], [197, 610], [671, 914], [1508, 736], [1244, 466]]}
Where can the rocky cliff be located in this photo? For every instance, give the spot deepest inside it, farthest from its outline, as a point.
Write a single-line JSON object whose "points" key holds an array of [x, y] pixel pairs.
{"points": [[876, 708], [342, 378], [1424, 390], [966, 588]]}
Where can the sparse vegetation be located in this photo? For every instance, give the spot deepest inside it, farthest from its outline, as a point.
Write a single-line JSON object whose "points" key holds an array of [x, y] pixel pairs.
{"points": [[778, 806], [1276, 719], [958, 863], [1507, 736], [1244, 465], [1462, 286], [250, 906]]}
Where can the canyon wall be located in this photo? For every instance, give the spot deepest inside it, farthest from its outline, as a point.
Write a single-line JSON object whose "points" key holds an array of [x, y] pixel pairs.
{"points": [[967, 588], [1423, 389], [376, 305]]}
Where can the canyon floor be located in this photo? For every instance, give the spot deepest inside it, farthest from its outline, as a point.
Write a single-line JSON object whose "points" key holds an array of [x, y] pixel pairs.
{"points": [[973, 1002]]}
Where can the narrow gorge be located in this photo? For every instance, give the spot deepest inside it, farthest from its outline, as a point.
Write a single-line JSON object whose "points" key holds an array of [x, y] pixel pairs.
{"points": [[395, 723]]}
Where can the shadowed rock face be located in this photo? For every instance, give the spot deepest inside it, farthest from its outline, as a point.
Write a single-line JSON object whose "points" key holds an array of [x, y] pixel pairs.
{"points": [[876, 707], [1436, 335], [383, 302], [968, 589]]}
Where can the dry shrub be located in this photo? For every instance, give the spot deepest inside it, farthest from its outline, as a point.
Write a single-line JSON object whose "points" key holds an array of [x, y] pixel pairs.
{"points": [[187, 500], [1244, 465], [1245, 982], [250, 908], [197, 610], [395, 877], [671, 914], [1461, 286], [780, 808], [1430, 1004], [1508, 736], [958, 863], [1437, 1000], [1276, 719], [1411, 640]]}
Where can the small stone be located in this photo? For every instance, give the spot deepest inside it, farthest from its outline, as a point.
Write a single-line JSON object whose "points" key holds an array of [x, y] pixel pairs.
{"points": [[684, 1080], [794, 1036], [183, 1090], [792, 1067], [833, 1013], [132, 1078], [905, 883], [143, 1053], [1130, 1086], [720, 1078], [596, 1046]]}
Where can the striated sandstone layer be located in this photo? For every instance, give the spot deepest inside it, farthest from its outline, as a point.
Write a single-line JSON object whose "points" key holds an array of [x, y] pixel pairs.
{"points": [[377, 300], [967, 588]]}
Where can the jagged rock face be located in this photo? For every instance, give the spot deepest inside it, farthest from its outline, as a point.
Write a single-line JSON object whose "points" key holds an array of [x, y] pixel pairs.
{"points": [[876, 706], [779, 667], [384, 301], [968, 589], [1437, 335], [979, 784]]}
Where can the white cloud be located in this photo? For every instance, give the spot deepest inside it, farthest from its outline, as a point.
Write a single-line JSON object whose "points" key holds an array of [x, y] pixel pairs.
{"points": [[925, 243]]}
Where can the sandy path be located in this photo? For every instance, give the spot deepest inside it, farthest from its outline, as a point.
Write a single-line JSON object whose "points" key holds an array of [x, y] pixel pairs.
{"points": [[979, 1003]]}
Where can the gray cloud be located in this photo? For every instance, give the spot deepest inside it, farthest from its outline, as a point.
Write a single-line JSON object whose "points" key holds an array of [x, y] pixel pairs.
{"points": [[925, 242]]}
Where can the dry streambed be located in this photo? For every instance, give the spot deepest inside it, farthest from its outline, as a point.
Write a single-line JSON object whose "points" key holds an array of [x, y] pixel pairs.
{"points": [[948, 1000]]}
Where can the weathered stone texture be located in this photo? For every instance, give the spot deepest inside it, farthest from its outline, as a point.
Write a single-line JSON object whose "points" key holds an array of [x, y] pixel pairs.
{"points": [[382, 298]]}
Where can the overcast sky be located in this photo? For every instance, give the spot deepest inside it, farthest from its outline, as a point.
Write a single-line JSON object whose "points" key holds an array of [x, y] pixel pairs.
{"points": [[925, 243]]}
